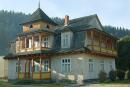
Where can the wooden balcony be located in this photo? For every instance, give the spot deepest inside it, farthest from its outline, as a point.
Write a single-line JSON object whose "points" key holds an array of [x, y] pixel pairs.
{"points": [[101, 50], [31, 49]]}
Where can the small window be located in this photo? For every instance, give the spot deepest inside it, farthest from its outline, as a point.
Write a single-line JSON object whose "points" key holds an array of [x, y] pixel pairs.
{"points": [[31, 26], [66, 65], [91, 65], [47, 26]]}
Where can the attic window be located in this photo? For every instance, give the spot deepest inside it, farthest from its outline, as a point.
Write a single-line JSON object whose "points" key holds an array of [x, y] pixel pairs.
{"points": [[47, 26], [31, 26]]}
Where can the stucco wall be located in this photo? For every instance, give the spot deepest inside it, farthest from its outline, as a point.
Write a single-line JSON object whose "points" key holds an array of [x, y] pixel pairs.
{"points": [[3, 67], [80, 66], [12, 74]]}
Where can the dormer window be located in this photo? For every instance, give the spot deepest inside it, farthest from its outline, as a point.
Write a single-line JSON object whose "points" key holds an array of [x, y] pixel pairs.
{"points": [[31, 26], [66, 38], [47, 26]]}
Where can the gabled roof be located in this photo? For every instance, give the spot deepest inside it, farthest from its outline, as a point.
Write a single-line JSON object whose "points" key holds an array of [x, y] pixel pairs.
{"points": [[92, 21], [39, 15]]}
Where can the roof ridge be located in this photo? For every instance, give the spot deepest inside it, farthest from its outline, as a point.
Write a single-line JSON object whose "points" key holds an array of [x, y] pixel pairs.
{"points": [[84, 17]]}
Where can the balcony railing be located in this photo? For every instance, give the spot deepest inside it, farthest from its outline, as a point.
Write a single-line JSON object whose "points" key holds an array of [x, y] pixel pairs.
{"points": [[99, 49], [31, 49]]}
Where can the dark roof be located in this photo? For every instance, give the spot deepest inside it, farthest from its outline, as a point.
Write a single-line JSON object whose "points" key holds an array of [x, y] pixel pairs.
{"points": [[39, 15], [91, 21]]}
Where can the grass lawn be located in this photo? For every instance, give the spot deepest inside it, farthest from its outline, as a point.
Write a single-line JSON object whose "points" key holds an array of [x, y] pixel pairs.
{"points": [[8, 84]]}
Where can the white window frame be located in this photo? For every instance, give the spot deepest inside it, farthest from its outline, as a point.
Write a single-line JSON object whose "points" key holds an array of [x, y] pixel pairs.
{"points": [[67, 64], [45, 64], [66, 39], [45, 41], [102, 65], [91, 65]]}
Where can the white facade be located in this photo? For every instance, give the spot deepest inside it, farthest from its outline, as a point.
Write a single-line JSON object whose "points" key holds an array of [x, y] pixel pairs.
{"points": [[3, 67], [12, 74], [80, 66]]}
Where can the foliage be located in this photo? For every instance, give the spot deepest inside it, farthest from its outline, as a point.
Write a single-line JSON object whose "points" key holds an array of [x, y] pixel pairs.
{"points": [[121, 74], [123, 48], [102, 76], [112, 75], [128, 74]]}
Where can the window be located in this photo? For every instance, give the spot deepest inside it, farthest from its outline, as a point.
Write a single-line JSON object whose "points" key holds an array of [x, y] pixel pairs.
{"points": [[46, 65], [18, 67], [45, 42], [102, 65], [91, 65], [36, 65], [111, 68], [66, 65], [66, 39], [31, 26], [36, 41], [29, 42], [47, 26]]}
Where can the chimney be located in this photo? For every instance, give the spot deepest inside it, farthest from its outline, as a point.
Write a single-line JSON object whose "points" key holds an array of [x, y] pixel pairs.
{"points": [[66, 20]]}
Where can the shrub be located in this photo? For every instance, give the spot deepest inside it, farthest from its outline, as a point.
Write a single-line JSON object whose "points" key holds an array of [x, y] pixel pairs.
{"points": [[128, 74], [121, 74], [102, 76], [112, 75]]}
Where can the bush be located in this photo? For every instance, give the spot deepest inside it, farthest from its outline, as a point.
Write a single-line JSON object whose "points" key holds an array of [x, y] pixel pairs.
{"points": [[121, 74], [128, 74], [102, 76], [112, 75]]}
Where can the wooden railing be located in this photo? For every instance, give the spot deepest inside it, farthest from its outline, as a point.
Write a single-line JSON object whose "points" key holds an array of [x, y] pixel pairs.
{"points": [[36, 75], [31, 49], [102, 49]]}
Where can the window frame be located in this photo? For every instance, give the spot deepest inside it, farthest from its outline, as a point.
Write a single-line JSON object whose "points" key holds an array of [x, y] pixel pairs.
{"points": [[91, 63], [66, 39], [67, 69]]}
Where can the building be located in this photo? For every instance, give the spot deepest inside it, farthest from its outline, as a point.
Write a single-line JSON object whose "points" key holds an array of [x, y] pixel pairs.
{"points": [[77, 50], [3, 68]]}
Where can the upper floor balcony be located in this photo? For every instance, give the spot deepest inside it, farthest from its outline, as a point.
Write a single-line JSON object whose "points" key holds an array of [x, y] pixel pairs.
{"points": [[34, 42], [101, 42]]}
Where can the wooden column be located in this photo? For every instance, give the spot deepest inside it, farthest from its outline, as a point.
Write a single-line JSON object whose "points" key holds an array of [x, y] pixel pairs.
{"points": [[100, 38], [25, 43], [40, 41], [25, 69], [92, 38], [32, 67], [18, 67], [50, 66], [106, 44], [33, 42], [40, 68], [19, 44]]}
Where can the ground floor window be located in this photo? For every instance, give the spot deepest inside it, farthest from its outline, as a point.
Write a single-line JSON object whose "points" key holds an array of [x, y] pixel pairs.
{"points": [[45, 65], [91, 65], [65, 65], [102, 65], [18, 67]]}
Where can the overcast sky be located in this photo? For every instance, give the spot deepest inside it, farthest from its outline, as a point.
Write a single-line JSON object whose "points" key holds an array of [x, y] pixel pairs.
{"points": [[110, 12]]}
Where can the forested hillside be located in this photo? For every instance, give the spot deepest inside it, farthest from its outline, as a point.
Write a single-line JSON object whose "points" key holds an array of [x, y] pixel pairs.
{"points": [[9, 28]]}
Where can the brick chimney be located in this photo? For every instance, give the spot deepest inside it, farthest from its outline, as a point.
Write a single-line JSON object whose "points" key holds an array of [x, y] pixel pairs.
{"points": [[66, 20]]}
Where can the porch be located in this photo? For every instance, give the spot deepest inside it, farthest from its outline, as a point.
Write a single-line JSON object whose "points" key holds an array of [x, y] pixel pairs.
{"points": [[34, 67]]}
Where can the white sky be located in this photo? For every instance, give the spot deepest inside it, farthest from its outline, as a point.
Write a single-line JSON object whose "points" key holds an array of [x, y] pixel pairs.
{"points": [[110, 12]]}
